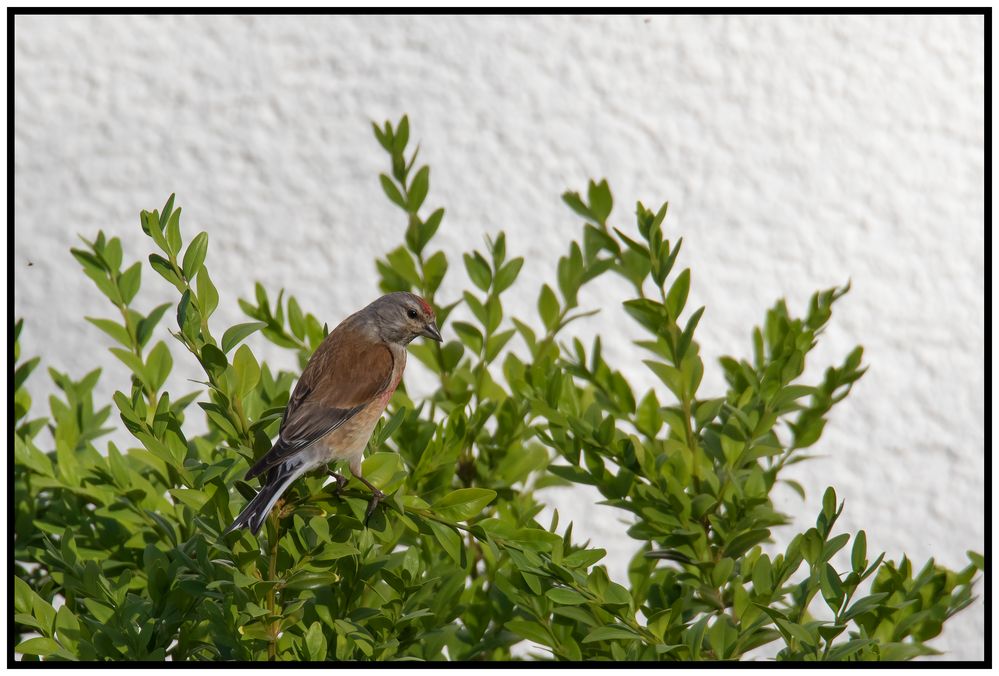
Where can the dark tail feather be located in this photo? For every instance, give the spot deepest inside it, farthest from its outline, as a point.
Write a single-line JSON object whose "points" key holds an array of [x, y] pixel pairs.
{"points": [[269, 460], [253, 515]]}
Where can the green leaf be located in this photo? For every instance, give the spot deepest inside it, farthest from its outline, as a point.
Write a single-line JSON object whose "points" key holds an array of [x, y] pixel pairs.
{"points": [[570, 274], [113, 329], [597, 239], [168, 208], [383, 138], [28, 621], [708, 409], [834, 545], [165, 270], [22, 595], [898, 652], [688, 333], [741, 543], [296, 320], [434, 269], [235, 334], [388, 427], [532, 631], [214, 360], [188, 317], [829, 503], [832, 589], [845, 650], [792, 393], [497, 248], [380, 467], [763, 576], [575, 203], [144, 330], [418, 190], [158, 365], [616, 595], [496, 343], [677, 296], [91, 264], [128, 283], [478, 270], [831, 631], [429, 227], [41, 646], [112, 254], [401, 136], [315, 642], [494, 314], [977, 560], [191, 497], [469, 335], [722, 571], [614, 632], [246, 370], [208, 295], [670, 376], [865, 604], [449, 540], [722, 637], [463, 503], [858, 556], [648, 313], [507, 274], [476, 306], [402, 264], [152, 226], [28, 455], [601, 201], [194, 257], [391, 191], [548, 307], [798, 488], [332, 551], [132, 362], [174, 242], [565, 596], [807, 431], [451, 354], [796, 631], [584, 558]]}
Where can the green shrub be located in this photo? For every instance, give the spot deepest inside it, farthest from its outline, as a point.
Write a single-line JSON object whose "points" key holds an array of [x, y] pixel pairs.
{"points": [[119, 555]]}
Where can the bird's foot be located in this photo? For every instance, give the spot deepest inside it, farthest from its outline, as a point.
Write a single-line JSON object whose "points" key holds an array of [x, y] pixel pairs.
{"points": [[376, 497], [341, 481]]}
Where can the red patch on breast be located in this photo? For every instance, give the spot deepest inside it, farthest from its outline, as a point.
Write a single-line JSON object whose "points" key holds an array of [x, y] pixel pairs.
{"points": [[387, 394]]}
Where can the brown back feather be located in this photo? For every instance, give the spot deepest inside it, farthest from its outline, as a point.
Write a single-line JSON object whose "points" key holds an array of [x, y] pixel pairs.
{"points": [[346, 372]]}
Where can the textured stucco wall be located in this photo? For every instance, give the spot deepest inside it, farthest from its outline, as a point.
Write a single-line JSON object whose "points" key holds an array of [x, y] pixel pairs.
{"points": [[796, 152]]}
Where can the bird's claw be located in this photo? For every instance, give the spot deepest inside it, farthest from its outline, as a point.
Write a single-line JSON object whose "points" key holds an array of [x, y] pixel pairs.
{"points": [[341, 481], [376, 497]]}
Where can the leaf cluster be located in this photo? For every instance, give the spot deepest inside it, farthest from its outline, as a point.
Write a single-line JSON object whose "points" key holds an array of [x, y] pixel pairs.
{"points": [[119, 552]]}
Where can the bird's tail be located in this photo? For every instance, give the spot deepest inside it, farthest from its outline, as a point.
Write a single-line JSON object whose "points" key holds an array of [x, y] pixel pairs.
{"points": [[278, 480]]}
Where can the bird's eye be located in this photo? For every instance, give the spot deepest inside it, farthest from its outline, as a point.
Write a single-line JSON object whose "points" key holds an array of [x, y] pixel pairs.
{"points": [[411, 313]]}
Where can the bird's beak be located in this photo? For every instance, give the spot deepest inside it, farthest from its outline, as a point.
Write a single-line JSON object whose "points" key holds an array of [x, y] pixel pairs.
{"points": [[431, 331]]}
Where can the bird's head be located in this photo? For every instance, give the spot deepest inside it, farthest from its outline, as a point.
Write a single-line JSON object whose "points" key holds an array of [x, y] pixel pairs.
{"points": [[402, 316]]}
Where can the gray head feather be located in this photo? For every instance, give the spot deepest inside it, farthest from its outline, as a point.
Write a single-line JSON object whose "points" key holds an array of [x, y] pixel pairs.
{"points": [[400, 317]]}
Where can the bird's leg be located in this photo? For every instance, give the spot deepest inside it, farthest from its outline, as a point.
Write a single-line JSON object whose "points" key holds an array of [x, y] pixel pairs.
{"points": [[341, 481], [377, 495]]}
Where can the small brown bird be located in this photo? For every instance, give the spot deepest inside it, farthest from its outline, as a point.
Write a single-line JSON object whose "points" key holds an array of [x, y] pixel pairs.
{"points": [[342, 393]]}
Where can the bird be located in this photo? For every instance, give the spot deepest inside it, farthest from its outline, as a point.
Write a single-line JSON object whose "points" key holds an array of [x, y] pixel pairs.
{"points": [[339, 397]]}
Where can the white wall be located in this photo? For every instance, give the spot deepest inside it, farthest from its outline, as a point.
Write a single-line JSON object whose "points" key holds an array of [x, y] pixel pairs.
{"points": [[796, 152]]}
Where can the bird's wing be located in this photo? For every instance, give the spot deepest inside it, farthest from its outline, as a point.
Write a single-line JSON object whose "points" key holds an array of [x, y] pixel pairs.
{"points": [[342, 377]]}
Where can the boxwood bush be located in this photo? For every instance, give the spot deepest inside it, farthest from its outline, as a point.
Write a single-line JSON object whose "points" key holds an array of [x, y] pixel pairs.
{"points": [[119, 554]]}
